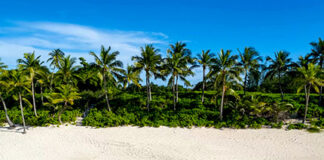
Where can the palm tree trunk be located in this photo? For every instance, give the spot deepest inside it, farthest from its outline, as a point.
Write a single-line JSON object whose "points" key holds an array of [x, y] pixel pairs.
{"points": [[307, 100], [282, 95], [147, 92], [42, 95], [60, 113], [245, 80], [5, 109], [22, 112], [33, 95], [52, 79], [321, 87], [150, 91], [177, 90], [222, 102], [173, 93], [106, 92], [203, 86]]}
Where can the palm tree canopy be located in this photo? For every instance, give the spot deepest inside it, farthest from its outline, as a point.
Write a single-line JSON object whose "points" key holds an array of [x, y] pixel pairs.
{"points": [[224, 68], [18, 81], [55, 56], [205, 57], [67, 70], [317, 53], [149, 60], [249, 59], [131, 75], [279, 65], [30, 63], [108, 63], [310, 76], [65, 94]]}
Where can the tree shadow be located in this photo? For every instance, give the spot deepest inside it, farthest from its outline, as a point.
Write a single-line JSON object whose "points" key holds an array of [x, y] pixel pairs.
{"points": [[16, 129]]}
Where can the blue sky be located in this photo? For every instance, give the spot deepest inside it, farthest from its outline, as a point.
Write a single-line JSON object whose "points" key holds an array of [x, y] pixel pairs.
{"points": [[80, 26]]}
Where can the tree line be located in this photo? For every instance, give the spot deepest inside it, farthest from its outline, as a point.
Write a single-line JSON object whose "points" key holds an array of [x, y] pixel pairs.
{"points": [[34, 84]]}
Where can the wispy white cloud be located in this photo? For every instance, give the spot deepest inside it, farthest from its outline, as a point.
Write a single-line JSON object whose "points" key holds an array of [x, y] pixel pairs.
{"points": [[76, 40]]}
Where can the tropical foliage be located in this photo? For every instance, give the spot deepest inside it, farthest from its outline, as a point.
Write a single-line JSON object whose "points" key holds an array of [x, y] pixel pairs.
{"points": [[237, 90]]}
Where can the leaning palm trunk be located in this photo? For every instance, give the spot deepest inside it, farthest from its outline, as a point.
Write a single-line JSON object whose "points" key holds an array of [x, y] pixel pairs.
{"points": [[22, 112], [52, 79], [307, 92], [33, 95], [147, 91], [321, 87], [222, 102], [5, 109], [106, 92], [173, 93], [42, 95], [203, 86], [60, 113], [320, 96], [177, 91], [245, 81]]}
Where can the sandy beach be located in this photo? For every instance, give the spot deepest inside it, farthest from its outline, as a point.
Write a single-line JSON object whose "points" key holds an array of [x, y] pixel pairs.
{"points": [[124, 143]]}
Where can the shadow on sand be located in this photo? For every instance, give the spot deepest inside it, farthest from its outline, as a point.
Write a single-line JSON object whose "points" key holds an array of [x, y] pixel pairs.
{"points": [[16, 129]]}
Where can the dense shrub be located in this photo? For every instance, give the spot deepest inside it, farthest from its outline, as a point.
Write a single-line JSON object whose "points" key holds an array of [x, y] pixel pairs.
{"points": [[44, 117]]}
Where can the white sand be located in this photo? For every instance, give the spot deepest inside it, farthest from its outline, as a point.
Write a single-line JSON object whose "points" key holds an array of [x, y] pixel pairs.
{"points": [[129, 143]]}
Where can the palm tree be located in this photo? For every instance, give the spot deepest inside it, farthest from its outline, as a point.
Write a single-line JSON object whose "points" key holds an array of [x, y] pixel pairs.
{"points": [[310, 79], [67, 70], [18, 84], [317, 55], [44, 79], [66, 94], [205, 59], [131, 75], [3, 89], [181, 58], [278, 67], [110, 68], [149, 61], [224, 66], [31, 64], [176, 65], [55, 56], [249, 62]]}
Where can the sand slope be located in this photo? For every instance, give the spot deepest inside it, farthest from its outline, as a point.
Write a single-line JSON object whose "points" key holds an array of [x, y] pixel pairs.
{"points": [[121, 143]]}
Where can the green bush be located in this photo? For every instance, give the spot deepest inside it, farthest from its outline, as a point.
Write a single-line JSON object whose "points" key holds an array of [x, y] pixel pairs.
{"points": [[44, 117], [297, 126]]}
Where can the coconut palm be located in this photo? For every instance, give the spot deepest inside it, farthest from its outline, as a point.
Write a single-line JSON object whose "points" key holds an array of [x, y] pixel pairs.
{"points": [[31, 64], [67, 70], [66, 94], [226, 70], [55, 56], [181, 58], [18, 85], [310, 79], [3, 90], [44, 79], [249, 62], [150, 62], [278, 67], [131, 75], [317, 55], [176, 65], [110, 68], [205, 60]]}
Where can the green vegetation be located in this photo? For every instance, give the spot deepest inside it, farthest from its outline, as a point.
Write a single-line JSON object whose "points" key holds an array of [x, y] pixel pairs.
{"points": [[107, 95]]}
